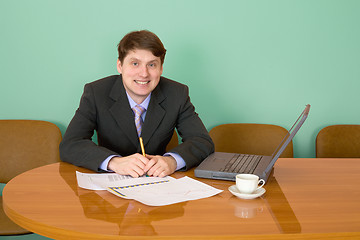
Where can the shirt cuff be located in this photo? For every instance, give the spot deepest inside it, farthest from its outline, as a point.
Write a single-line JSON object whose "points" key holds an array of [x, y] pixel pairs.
{"points": [[180, 163], [105, 163]]}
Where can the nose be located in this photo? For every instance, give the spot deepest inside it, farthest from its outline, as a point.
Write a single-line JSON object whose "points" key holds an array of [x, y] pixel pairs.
{"points": [[144, 72]]}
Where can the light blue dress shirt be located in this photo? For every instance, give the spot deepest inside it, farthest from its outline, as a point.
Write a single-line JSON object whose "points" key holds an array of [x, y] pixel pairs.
{"points": [[180, 163]]}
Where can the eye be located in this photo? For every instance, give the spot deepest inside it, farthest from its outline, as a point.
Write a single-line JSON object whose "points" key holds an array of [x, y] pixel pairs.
{"points": [[152, 65], [135, 63]]}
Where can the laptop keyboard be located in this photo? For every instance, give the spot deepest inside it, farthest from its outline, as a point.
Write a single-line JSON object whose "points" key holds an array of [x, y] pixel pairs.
{"points": [[242, 163]]}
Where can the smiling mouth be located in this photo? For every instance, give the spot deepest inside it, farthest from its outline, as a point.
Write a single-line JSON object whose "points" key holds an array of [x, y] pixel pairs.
{"points": [[142, 82]]}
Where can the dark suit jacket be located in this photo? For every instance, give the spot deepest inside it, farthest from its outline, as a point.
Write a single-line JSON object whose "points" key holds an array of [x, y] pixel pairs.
{"points": [[104, 107]]}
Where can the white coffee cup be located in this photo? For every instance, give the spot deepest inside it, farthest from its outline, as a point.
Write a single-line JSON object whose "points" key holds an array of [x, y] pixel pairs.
{"points": [[248, 183]]}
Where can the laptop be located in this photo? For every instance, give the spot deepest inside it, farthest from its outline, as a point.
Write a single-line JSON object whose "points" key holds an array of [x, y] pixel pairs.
{"points": [[225, 166]]}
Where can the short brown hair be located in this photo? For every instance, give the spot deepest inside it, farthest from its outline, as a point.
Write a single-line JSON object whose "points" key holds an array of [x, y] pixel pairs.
{"points": [[143, 39]]}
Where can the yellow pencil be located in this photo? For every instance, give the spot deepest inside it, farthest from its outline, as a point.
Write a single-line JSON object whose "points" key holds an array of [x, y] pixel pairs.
{"points": [[142, 147], [142, 150]]}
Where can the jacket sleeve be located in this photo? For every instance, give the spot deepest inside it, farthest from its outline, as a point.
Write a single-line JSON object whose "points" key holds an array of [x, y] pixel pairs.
{"points": [[77, 146], [196, 143]]}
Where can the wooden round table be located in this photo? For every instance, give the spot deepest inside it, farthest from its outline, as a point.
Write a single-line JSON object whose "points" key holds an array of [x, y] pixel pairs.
{"points": [[305, 198]]}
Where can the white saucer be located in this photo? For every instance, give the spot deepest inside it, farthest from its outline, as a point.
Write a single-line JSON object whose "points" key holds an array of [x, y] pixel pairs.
{"points": [[233, 189]]}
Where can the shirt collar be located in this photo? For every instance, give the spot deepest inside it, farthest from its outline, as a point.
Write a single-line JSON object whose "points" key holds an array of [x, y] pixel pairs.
{"points": [[144, 104]]}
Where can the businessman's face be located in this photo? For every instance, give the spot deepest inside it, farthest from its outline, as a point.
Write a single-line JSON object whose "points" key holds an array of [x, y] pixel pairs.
{"points": [[141, 72]]}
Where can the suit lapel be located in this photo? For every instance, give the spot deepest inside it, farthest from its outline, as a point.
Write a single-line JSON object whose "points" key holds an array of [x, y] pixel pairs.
{"points": [[154, 114], [122, 112]]}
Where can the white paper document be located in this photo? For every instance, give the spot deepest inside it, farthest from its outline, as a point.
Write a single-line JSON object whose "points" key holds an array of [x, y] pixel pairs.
{"points": [[166, 192], [152, 191], [100, 181]]}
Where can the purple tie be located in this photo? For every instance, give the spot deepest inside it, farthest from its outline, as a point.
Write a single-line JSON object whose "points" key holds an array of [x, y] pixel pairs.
{"points": [[138, 110]]}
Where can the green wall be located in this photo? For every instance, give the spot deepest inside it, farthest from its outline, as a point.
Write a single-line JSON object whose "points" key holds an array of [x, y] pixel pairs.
{"points": [[244, 61]]}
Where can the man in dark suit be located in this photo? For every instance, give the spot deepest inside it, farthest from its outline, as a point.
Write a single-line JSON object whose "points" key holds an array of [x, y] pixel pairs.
{"points": [[137, 103]]}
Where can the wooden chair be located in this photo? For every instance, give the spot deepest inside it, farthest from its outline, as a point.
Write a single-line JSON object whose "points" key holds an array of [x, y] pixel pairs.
{"points": [[250, 138], [24, 145], [338, 141]]}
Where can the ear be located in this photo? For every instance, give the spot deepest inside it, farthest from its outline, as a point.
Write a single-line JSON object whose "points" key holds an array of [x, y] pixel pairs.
{"points": [[118, 66], [161, 70]]}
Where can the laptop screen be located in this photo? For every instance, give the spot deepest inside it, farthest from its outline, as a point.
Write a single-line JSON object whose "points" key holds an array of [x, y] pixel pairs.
{"points": [[288, 137]]}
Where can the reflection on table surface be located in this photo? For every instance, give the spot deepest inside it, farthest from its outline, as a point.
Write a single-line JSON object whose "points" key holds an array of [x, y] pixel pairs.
{"points": [[297, 200]]}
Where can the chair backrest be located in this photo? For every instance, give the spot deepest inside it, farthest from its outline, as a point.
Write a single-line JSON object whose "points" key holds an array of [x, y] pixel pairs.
{"points": [[27, 144], [174, 141], [250, 138], [338, 141]]}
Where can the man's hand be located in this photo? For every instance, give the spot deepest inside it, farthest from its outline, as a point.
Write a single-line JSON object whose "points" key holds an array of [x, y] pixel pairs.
{"points": [[133, 165], [160, 166]]}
